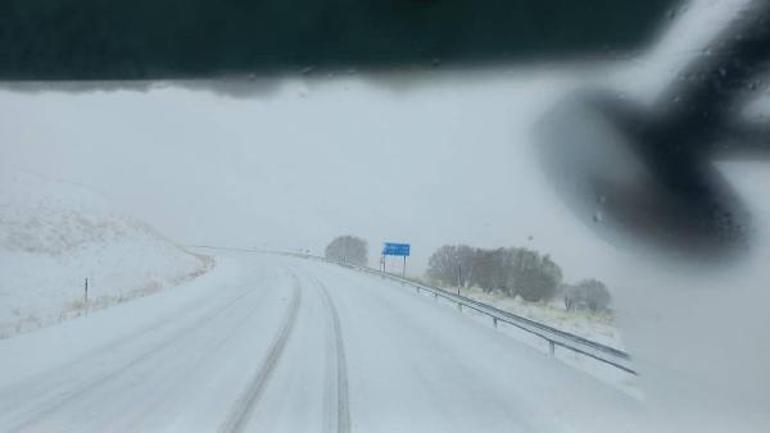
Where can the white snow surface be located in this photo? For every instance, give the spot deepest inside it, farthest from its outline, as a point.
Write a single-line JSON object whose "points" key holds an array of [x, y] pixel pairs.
{"points": [[54, 235], [599, 327], [269, 343]]}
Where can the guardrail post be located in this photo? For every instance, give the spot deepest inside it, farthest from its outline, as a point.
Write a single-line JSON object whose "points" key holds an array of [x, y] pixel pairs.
{"points": [[551, 348], [435, 296], [494, 321]]}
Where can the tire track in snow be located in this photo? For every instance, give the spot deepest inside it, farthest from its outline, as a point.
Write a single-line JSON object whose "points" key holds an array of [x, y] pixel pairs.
{"points": [[213, 349], [190, 316], [342, 400], [246, 403], [60, 396]]}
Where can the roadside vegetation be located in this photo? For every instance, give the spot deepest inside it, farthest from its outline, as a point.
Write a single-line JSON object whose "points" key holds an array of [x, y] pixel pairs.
{"points": [[527, 283], [514, 272]]}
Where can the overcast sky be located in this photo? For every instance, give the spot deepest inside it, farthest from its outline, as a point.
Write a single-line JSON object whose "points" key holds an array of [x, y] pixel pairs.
{"points": [[441, 158]]}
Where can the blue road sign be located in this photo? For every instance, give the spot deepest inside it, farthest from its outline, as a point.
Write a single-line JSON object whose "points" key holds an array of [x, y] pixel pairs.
{"points": [[393, 249]]}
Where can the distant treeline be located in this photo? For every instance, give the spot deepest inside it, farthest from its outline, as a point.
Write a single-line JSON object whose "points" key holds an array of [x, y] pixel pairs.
{"points": [[514, 272]]}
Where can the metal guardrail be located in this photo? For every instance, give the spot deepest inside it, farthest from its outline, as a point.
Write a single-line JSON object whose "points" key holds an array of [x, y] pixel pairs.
{"points": [[555, 337]]}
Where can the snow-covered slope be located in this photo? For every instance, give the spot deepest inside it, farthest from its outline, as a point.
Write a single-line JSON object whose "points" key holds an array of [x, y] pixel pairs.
{"points": [[54, 235]]}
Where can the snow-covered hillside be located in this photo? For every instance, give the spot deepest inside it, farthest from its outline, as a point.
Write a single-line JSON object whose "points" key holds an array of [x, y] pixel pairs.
{"points": [[54, 235]]}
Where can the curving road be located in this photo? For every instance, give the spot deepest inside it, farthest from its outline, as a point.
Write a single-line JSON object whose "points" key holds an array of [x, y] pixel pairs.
{"points": [[274, 344]]}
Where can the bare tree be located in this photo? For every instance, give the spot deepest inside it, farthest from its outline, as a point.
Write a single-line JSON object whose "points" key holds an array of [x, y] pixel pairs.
{"points": [[348, 249], [513, 271], [443, 265], [535, 277], [452, 265], [492, 270], [588, 294], [466, 263]]}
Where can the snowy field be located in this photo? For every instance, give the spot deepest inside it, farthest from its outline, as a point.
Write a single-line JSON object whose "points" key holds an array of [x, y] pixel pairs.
{"points": [[54, 235]]}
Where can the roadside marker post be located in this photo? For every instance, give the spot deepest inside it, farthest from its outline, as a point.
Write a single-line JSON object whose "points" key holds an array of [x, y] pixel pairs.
{"points": [[85, 295]]}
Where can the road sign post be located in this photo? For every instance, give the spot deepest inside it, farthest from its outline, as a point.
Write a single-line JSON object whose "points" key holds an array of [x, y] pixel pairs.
{"points": [[395, 249]]}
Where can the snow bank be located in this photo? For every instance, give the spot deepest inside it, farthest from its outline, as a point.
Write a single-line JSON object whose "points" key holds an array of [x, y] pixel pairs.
{"points": [[54, 235], [598, 327]]}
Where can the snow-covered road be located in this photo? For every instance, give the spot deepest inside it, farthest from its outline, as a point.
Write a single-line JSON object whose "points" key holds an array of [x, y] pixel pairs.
{"points": [[276, 344]]}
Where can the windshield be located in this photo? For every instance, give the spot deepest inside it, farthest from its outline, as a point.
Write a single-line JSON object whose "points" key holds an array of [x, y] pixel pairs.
{"points": [[554, 220]]}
